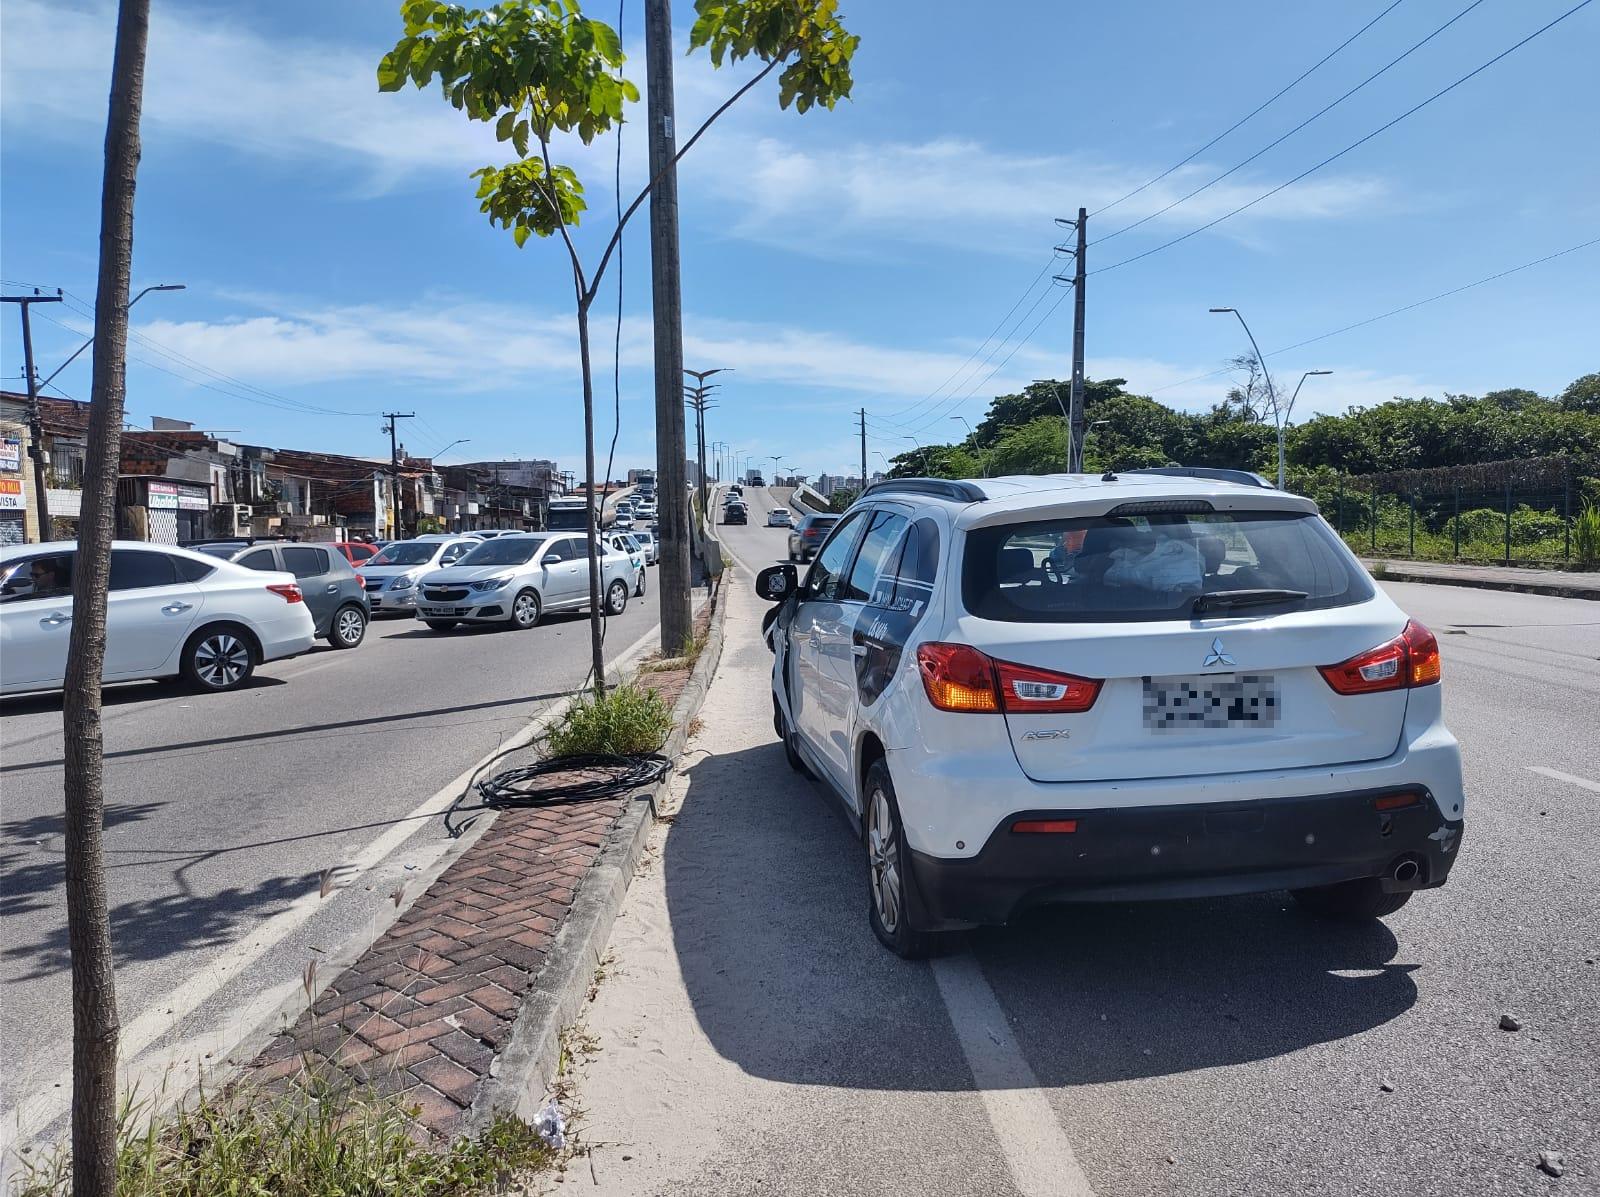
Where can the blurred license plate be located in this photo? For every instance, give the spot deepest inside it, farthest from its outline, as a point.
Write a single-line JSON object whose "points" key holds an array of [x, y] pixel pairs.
{"points": [[1217, 700], [444, 610]]}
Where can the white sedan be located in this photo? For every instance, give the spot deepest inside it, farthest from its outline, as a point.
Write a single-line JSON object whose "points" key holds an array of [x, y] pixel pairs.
{"points": [[779, 517], [169, 612]]}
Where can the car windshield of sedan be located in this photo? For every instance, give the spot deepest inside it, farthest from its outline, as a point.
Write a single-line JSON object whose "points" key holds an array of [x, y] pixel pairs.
{"points": [[504, 550], [418, 553]]}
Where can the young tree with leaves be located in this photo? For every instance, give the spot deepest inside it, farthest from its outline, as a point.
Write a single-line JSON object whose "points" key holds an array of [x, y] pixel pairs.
{"points": [[94, 994], [541, 71]]}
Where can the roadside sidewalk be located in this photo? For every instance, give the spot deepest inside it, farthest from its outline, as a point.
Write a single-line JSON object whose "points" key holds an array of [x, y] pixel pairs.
{"points": [[750, 1036], [1559, 583]]}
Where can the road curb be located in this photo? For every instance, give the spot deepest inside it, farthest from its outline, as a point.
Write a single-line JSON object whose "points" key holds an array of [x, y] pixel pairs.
{"points": [[1389, 571], [524, 1070]]}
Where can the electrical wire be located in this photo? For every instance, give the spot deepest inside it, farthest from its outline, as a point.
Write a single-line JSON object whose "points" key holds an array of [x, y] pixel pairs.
{"points": [[1331, 158], [529, 786], [1278, 95], [1285, 137]]}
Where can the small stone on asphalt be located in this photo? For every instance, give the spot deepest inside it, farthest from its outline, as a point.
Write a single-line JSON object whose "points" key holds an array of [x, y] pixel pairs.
{"points": [[1386, 1086], [1510, 1022], [1552, 1163]]}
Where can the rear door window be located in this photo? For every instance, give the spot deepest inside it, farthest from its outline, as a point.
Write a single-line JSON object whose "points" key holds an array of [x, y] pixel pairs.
{"points": [[261, 559], [1155, 565], [134, 569], [304, 562]]}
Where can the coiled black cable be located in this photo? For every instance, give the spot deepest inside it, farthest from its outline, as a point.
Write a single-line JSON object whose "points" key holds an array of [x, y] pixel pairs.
{"points": [[529, 785]]}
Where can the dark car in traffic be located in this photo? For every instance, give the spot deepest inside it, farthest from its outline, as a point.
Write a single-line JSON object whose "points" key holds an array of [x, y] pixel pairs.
{"points": [[334, 593], [807, 536], [735, 513]]}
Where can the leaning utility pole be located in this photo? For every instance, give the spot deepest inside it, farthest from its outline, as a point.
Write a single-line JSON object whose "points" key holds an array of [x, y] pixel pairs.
{"points": [[394, 471], [677, 628], [35, 427], [863, 415], [1075, 466]]}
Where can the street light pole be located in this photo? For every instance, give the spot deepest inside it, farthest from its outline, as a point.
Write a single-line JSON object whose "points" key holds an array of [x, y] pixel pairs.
{"points": [[90, 341], [1272, 394], [973, 433], [1289, 412]]}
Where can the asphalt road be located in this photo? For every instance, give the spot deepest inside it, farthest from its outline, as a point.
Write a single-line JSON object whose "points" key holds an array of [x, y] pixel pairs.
{"points": [[754, 1038], [224, 810]]}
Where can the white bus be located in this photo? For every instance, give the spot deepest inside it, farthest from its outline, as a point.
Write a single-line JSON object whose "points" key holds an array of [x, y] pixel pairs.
{"points": [[568, 514]]}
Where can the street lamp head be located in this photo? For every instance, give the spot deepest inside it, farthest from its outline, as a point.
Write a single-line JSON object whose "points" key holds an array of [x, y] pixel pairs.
{"points": [[1216, 310], [170, 287], [1316, 372]]}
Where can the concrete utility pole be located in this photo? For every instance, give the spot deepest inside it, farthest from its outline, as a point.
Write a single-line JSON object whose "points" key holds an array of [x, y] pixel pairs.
{"points": [[35, 428], [1076, 449], [677, 627], [863, 415], [394, 469]]}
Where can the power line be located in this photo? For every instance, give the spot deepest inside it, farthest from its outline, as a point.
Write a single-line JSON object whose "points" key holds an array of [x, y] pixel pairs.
{"points": [[1278, 95], [1280, 140], [1331, 158]]}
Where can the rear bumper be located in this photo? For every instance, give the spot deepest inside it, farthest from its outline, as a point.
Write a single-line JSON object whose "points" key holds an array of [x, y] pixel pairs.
{"points": [[286, 638], [1188, 851]]}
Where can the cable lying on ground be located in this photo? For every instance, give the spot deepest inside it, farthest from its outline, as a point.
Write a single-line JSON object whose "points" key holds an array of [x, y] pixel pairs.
{"points": [[534, 785]]}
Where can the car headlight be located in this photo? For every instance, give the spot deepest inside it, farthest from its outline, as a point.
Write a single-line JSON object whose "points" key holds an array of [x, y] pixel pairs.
{"points": [[403, 582], [489, 583]]}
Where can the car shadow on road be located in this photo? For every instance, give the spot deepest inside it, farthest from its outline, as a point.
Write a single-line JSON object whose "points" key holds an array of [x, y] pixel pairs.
{"points": [[120, 693], [767, 894]]}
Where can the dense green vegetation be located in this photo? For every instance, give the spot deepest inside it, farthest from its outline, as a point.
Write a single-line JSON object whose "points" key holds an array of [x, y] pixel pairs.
{"points": [[1406, 478]]}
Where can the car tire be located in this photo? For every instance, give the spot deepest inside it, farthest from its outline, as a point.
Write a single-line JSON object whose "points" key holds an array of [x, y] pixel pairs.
{"points": [[440, 625], [1360, 899], [218, 658], [526, 610], [349, 627], [638, 591], [617, 597], [888, 863]]}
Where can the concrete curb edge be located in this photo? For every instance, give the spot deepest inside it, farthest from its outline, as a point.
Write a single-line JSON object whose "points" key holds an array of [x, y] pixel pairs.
{"points": [[525, 1069], [1589, 591]]}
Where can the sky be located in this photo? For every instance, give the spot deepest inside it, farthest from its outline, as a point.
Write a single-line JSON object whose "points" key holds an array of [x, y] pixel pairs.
{"points": [[877, 256]]}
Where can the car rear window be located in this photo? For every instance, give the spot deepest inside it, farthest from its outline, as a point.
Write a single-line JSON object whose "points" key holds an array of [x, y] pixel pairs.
{"points": [[1147, 567]]}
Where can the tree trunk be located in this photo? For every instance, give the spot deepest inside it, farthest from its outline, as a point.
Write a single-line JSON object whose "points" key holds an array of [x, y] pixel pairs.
{"points": [[94, 996], [595, 512]]}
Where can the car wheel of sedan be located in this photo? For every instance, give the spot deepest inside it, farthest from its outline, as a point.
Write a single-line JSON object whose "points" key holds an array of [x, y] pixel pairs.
{"points": [[638, 590], [617, 598], [349, 627], [525, 610], [887, 865], [1360, 899], [218, 659]]}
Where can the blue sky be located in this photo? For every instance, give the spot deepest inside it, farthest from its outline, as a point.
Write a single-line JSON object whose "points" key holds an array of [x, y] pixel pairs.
{"points": [[335, 257]]}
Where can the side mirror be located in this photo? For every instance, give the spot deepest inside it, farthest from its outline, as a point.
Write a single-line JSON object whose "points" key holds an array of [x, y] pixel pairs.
{"points": [[553, 558], [777, 582]]}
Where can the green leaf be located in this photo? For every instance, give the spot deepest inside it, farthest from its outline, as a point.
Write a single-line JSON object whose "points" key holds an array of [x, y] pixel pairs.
{"points": [[519, 137], [502, 127], [519, 234]]}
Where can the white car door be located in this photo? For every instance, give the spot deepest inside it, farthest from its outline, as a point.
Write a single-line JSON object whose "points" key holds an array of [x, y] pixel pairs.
{"points": [[818, 617], [34, 627], [150, 611]]}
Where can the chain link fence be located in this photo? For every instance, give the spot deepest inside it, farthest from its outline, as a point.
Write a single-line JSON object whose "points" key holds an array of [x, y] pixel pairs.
{"points": [[1537, 511]]}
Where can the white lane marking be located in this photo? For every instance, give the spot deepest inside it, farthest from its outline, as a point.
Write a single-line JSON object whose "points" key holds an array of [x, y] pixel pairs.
{"points": [[51, 1101], [1035, 1147], [1567, 777]]}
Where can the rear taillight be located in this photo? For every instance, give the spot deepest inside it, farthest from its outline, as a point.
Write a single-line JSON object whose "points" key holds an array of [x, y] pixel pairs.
{"points": [[1410, 659], [289, 591], [957, 677]]}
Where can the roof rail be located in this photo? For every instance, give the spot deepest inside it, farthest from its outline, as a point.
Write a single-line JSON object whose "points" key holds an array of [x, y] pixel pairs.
{"points": [[1216, 474], [939, 488]]}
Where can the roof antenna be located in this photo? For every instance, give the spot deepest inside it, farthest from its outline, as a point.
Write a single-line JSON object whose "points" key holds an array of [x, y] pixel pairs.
{"points": [[1109, 476]]}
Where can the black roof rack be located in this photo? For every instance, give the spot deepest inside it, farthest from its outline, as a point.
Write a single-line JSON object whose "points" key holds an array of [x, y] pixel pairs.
{"points": [[1216, 474], [939, 488]]}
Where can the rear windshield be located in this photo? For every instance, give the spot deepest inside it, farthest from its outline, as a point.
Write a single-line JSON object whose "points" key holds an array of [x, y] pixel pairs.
{"points": [[1116, 569]]}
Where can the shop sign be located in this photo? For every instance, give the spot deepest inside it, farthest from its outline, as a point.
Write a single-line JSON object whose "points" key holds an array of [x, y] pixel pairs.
{"points": [[10, 454], [11, 496]]}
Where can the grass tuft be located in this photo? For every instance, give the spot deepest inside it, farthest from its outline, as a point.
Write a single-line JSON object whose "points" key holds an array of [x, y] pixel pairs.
{"points": [[629, 719], [350, 1143]]}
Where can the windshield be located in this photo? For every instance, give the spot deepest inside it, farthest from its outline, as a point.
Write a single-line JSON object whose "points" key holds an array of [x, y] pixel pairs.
{"points": [[408, 553], [504, 550], [1119, 569]]}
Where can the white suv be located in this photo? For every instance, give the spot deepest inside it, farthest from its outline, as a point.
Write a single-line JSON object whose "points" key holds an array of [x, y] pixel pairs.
{"points": [[1056, 689]]}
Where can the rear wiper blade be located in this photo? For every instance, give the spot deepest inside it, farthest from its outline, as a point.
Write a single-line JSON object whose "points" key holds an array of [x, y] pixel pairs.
{"points": [[1245, 598]]}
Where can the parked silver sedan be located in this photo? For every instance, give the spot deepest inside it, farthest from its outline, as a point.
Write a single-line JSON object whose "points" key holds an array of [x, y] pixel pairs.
{"points": [[514, 580], [391, 577]]}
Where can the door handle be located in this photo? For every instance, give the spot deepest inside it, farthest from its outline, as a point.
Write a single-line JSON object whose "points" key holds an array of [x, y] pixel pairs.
{"points": [[333, 588], [175, 608], [55, 619]]}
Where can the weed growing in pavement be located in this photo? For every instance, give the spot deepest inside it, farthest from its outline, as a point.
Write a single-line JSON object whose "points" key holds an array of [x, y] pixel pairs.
{"points": [[627, 720], [352, 1143], [1586, 535], [1380, 570]]}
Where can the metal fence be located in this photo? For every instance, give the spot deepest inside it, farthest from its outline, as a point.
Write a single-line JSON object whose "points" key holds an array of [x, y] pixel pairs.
{"points": [[1534, 511]]}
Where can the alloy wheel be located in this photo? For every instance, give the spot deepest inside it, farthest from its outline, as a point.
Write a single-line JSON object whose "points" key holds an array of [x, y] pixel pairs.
{"points": [[525, 610], [883, 850], [350, 626], [221, 659]]}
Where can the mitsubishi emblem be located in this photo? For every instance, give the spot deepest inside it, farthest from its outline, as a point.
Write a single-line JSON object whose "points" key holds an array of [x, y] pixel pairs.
{"points": [[1217, 656]]}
